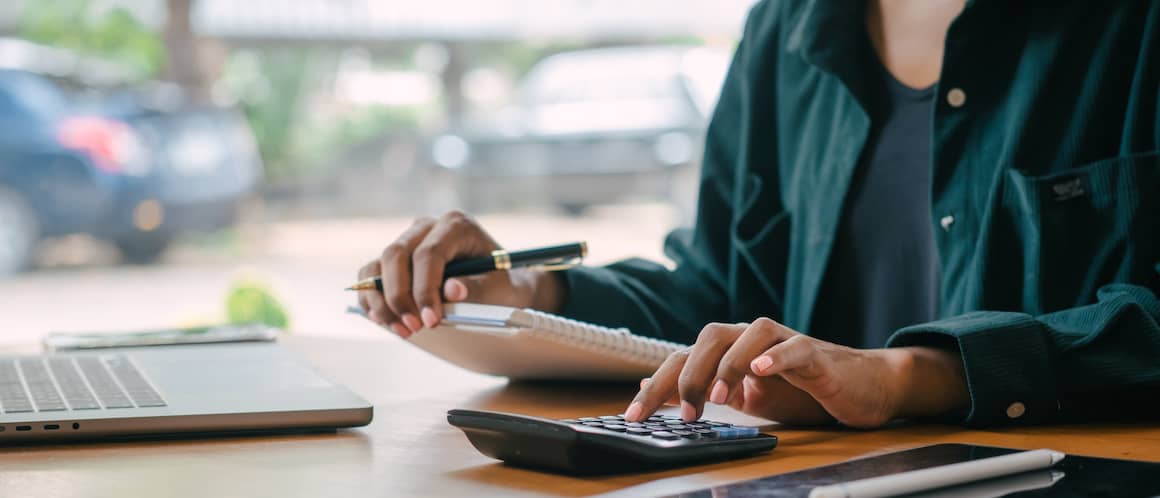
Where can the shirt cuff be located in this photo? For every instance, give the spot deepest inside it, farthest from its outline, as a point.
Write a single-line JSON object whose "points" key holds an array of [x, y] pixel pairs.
{"points": [[594, 296], [1006, 361]]}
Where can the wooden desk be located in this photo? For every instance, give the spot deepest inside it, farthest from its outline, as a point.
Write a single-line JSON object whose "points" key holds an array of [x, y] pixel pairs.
{"points": [[410, 450]]}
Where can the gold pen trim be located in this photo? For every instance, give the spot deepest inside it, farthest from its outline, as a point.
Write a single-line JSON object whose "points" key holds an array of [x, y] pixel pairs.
{"points": [[503, 261], [366, 284]]}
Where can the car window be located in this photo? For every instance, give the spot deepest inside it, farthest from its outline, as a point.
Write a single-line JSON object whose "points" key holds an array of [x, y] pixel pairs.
{"points": [[30, 96]]}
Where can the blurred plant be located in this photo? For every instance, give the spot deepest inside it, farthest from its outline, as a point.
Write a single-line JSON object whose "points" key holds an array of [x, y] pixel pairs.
{"points": [[276, 89], [250, 301], [110, 33]]}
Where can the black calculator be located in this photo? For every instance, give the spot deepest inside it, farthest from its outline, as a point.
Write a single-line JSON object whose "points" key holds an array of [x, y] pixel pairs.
{"points": [[606, 444]]}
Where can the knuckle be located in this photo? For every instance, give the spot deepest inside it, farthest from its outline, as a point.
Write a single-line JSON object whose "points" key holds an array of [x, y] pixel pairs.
{"points": [[454, 216], [424, 252], [765, 323], [732, 366], [680, 355], [797, 341], [393, 251], [713, 333], [399, 300]]}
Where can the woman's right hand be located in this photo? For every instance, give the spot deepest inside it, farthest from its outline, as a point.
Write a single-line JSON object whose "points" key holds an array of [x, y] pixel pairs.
{"points": [[411, 268]]}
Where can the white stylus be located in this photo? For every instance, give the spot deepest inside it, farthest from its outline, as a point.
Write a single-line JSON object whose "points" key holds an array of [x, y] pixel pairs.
{"points": [[942, 476]]}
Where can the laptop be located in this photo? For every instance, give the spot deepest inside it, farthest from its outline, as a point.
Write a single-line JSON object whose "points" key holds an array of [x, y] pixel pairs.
{"points": [[169, 391]]}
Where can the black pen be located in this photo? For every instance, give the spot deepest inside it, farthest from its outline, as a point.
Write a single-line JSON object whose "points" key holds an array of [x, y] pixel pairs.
{"points": [[545, 258]]}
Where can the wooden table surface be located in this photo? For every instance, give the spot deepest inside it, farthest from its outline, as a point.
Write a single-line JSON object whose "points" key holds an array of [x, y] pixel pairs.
{"points": [[410, 450]]}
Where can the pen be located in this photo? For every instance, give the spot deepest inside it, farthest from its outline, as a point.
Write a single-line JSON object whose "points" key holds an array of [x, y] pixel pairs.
{"points": [[941, 476], [545, 258]]}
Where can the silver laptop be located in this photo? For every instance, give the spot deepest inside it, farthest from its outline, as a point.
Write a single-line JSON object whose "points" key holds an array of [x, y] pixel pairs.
{"points": [[169, 390]]}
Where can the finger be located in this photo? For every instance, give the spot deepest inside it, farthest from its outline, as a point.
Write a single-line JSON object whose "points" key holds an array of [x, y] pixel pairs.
{"points": [[660, 387], [372, 301], [672, 401], [455, 289], [712, 343], [796, 353], [396, 268], [762, 334], [456, 235]]}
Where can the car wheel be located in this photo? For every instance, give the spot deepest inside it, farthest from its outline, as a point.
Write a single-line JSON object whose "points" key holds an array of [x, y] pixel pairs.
{"points": [[143, 248], [18, 232]]}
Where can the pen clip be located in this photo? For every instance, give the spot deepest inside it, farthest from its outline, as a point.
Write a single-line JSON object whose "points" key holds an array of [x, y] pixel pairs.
{"points": [[556, 265]]}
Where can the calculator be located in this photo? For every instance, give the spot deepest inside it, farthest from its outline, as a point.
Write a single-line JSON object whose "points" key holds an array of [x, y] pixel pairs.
{"points": [[606, 444]]}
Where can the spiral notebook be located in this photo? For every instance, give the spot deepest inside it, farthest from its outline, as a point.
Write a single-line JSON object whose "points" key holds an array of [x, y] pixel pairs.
{"points": [[533, 345]]}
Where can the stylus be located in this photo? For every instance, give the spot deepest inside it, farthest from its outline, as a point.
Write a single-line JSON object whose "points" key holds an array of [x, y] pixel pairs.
{"points": [[938, 477]]}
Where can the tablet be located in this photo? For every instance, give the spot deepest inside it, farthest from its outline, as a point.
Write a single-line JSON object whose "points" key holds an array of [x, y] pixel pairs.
{"points": [[1074, 476]]}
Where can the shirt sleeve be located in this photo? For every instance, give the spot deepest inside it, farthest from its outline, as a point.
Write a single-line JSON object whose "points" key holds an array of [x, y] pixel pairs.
{"points": [[1099, 361], [674, 304]]}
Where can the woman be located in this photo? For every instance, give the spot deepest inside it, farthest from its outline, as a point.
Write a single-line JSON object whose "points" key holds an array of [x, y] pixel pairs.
{"points": [[974, 187]]}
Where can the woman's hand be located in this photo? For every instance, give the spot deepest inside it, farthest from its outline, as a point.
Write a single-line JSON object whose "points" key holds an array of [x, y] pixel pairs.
{"points": [[768, 370], [411, 268]]}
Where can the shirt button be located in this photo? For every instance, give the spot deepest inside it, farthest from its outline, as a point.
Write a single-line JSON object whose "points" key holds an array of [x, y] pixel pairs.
{"points": [[1016, 410], [956, 97], [946, 222]]}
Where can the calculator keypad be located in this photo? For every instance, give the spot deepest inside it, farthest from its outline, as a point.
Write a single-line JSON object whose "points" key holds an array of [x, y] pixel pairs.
{"points": [[666, 427]]}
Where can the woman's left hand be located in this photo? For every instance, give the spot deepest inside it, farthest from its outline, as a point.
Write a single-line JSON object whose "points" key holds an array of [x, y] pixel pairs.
{"points": [[768, 370]]}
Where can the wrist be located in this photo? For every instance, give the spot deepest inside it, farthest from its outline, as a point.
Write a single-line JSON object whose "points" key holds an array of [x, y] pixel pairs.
{"points": [[928, 382], [548, 290]]}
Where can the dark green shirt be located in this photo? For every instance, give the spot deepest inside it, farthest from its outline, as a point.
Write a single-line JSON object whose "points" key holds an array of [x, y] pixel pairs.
{"points": [[1045, 200]]}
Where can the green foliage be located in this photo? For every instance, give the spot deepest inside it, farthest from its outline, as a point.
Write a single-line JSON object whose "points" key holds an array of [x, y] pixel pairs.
{"points": [[112, 34], [252, 302], [274, 87]]}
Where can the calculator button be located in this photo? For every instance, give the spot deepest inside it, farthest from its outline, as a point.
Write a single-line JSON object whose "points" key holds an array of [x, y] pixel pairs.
{"points": [[686, 434], [636, 431], [616, 427], [735, 432], [678, 426], [593, 424], [589, 419], [713, 424], [706, 432], [665, 435], [634, 424], [670, 417], [611, 417]]}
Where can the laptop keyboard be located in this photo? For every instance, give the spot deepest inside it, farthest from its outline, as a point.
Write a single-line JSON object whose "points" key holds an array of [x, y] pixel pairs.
{"points": [[59, 383]]}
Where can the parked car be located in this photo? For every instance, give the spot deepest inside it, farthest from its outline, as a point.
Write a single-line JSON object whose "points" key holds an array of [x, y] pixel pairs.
{"points": [[587, 127], [78, 160]]}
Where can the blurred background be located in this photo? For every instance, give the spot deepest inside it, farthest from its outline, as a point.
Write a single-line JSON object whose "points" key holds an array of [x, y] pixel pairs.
{"points": [[168, 163]]}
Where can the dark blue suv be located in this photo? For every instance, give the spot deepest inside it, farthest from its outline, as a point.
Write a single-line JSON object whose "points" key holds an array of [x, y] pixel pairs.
{"points": [[99, 162]]}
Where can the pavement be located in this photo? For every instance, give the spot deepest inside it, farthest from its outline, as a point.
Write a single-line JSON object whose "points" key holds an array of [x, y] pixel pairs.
{"points": [[80, 287]]}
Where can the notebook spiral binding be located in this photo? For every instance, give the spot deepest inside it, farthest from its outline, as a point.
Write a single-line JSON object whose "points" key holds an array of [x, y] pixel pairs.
{"points": [[604, 340]]}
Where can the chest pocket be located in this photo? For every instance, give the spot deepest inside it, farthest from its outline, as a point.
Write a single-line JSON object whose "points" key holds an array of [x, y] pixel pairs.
{"points": [[1084, 228]]}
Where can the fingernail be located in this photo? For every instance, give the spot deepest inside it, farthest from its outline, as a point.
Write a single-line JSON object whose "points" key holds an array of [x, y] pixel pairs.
{"points": [[688, 413], [412, 322], [761, 364], [429, 317], [720, 392], [633, 411], [454, 290], [401, 330]]}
